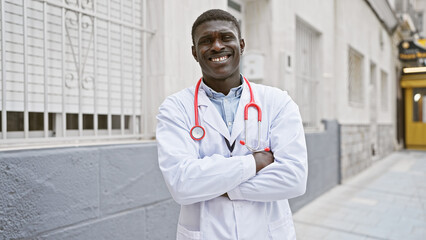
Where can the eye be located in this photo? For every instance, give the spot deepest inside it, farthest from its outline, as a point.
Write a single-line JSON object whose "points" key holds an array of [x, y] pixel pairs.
{"points": [[205, 41], [227, 38]]}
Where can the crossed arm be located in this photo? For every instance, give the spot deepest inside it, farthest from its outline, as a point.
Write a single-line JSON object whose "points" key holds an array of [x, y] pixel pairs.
{"points": [[262, 176], [262, 159]]}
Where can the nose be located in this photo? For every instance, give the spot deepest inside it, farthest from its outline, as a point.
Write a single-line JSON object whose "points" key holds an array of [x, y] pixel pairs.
{"points": [[217, 45]]}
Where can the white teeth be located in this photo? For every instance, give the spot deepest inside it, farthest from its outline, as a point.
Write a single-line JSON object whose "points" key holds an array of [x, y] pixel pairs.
{"points": [[219, 59]]}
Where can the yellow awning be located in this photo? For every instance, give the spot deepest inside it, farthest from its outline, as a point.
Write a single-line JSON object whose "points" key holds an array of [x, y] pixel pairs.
{"points": [[413, 80]]}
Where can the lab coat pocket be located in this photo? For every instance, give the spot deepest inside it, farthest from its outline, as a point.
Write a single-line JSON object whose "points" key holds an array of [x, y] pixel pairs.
{"points": [[185, 234], [282, 229]]}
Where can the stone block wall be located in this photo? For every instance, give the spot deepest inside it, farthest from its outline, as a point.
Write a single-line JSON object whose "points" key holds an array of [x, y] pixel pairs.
{"points": [[356, 152], [387, 139], [102, 192], [355, 147]]}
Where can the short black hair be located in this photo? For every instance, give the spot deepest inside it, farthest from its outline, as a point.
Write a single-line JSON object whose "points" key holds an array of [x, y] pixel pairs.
{"points": [[215, 15]]}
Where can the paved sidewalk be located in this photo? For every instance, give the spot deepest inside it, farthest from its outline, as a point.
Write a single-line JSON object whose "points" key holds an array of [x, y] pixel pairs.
{"points": [[386, 201]]}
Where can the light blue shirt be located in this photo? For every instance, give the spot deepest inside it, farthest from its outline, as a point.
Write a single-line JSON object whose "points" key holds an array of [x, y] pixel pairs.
{"points": [[225, 105]]}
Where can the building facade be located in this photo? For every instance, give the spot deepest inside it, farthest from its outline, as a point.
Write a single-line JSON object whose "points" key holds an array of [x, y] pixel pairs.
{"points": [[84, 79]]}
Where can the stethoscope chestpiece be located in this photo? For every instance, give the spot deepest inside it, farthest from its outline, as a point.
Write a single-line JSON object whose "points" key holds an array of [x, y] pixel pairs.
{"points": [[197, 132]]}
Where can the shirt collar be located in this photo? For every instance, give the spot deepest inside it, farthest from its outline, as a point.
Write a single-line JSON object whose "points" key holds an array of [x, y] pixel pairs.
{"points": [[234, 92]]}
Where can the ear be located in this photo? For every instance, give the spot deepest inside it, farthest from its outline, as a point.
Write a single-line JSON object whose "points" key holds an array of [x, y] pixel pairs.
{"points": [[194, 53], [242, 45]]}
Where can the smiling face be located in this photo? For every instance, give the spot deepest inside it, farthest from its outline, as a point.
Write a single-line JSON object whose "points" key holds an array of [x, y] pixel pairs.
{"points": [[217, 48]]}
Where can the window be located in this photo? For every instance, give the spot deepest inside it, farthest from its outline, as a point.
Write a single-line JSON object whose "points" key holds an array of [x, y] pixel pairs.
{"points": [[385, 91], [373, 93], [71, 69], [355, 78], [420, 21], [307, 62], [235, 7], [419, 105]]}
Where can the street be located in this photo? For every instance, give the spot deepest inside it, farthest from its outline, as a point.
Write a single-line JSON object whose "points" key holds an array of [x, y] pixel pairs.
{"points": [[386, 201]]}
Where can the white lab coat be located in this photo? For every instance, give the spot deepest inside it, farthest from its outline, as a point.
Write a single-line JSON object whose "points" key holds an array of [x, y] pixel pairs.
{"points": [[197, 173]]}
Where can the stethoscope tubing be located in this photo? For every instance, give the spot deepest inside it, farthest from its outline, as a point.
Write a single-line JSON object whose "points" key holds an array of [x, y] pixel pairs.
{"points": [[196, 102], [197, 132]]}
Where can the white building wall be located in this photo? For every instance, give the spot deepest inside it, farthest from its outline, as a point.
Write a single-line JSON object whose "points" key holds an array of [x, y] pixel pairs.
{"points": [[366, 134], [181, 68], [171, 64], [320, 15], [420, 6], [359, 28], [270, 28]]}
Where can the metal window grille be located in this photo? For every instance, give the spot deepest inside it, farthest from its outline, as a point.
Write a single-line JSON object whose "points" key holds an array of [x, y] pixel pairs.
{"points": [[355, 77], [384, 98], [72, 69], [307, 62]]}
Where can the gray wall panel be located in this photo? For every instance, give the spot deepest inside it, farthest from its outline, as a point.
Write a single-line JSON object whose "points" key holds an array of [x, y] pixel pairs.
{"points": [[161, 220], [114, 191], [99, 192], [124, 226], [47, 189], [130, 177], [323, 164]]}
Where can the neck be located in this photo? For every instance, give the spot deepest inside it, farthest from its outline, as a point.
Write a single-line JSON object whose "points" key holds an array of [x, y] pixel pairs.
{"points": [[223, 85]]}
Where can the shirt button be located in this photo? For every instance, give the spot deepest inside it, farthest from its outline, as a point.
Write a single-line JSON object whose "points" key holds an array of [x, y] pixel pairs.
{"points": [[229, 123]]}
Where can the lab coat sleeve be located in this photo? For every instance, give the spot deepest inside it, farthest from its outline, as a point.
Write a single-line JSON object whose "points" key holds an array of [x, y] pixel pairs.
{"points": [[286, 177], [189, 178]]}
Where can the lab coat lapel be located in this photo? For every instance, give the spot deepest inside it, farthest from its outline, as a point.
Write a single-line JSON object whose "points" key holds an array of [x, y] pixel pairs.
{"points": [[211, 116]]}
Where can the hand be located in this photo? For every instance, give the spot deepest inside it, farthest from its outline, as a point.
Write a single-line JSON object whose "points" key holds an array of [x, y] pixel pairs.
{"points": [[263, 159]]}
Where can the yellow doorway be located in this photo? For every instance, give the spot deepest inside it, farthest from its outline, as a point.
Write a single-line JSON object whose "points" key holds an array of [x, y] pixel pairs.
{"points": [[414, 85]]}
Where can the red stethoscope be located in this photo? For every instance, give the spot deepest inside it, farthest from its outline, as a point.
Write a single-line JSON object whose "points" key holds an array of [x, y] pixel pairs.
{"points": [[197, 132]]}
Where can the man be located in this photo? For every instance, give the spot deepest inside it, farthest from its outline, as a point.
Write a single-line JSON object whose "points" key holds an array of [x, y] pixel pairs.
{"points": [[227, 191]]}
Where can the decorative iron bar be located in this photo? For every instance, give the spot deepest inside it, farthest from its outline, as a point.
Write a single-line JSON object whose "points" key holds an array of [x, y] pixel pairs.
{"points": [[79, 81], [3, 73], [307, 61]]}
